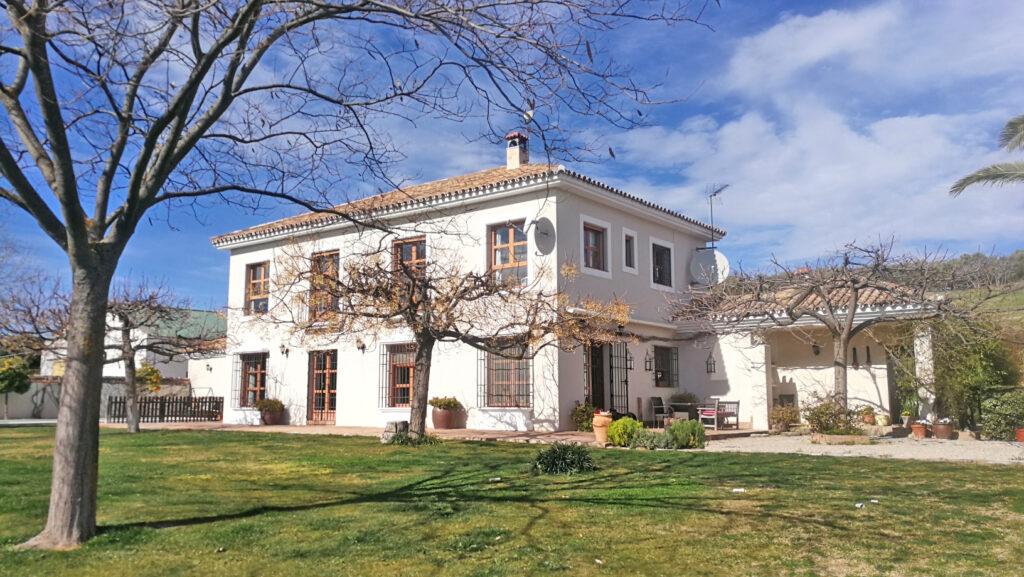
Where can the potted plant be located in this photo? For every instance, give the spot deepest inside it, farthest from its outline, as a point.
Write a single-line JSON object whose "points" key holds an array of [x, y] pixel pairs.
{"points": [[271, 411], [448, 413], [867, 414], [780, 418], [905, 415], [884, 420], [944, 429], [919, 429], [600, 423]]}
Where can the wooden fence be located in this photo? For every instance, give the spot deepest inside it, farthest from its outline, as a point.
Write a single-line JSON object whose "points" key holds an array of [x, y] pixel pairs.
{"points": [[169, 409]]}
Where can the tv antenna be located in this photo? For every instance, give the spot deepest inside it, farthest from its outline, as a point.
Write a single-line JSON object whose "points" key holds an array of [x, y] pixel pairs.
{"points": [[712, 191]]}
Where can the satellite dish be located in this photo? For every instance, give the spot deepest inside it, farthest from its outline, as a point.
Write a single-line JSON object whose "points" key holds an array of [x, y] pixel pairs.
{"points": [[708, 266], [543, 235]]}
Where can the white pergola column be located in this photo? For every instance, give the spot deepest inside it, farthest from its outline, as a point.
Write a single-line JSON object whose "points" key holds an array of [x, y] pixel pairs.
{"points": [[924, 370]]}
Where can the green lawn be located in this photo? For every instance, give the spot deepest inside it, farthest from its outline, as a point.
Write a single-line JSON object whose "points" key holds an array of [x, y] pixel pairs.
{"points": [[226, 504]]}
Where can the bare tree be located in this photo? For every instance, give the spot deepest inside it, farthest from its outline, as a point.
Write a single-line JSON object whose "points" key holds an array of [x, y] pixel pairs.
{"points": [[144, 317], [133, 104], [847, 293], [149, 318], [379, 288]]}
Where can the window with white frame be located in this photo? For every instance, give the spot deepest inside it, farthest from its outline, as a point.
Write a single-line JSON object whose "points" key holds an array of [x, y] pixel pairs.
{"points": [[594, 246], [629, 243], [661, 264]]}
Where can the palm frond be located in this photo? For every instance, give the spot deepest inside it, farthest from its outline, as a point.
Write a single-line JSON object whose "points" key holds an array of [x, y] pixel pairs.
{"points": [[995, 175], [1012, 136]]}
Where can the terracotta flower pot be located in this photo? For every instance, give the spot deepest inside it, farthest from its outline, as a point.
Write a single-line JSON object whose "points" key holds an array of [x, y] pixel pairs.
{"points": [[601, 423], [271, 417], [919, 430], [446, 418], [944, 431], [1019, 434]]}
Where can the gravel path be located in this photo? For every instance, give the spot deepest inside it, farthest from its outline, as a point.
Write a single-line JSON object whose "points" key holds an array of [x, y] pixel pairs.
{"points": [[927, 450]]}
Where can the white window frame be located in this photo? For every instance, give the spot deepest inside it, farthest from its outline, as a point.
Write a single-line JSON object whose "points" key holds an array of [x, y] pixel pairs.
{"points": [[672, 258], [635, 269], [585, 220]]}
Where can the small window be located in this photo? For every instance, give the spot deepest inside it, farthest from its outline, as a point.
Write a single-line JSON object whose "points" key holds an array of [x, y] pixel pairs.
{"points": [[666, 366], [507, 381], [508, 252], [856, 362], [867, 355], [661, 259], [254, 379], [594, 247], [629, 250], [411, 253], [257, 288], [323, 297]]}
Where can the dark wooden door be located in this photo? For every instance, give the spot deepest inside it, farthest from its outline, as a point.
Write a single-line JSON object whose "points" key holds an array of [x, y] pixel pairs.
{"points": [[595, 365], [323, 387]]}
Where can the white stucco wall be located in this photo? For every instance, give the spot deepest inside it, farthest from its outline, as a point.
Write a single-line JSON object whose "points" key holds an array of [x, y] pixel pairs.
{"points": [[21, 406]]}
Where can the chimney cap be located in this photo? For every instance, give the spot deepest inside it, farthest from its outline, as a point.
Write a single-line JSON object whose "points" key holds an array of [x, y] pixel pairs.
{"points": [[517, 134]]}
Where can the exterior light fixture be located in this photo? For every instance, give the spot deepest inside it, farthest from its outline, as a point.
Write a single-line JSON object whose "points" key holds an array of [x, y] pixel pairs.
{"points": [[710, 364], [816, 350], [284, 350], [360, 345], [629, 360], [648, 362], [209, 368]]}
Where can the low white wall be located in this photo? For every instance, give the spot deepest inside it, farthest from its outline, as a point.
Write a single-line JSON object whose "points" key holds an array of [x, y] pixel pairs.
{"points": [[22, 406]]}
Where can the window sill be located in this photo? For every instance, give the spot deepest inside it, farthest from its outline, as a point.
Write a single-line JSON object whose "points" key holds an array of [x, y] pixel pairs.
{"points": [[505, 409], [595, 272], [632, 271], [662, 288]]}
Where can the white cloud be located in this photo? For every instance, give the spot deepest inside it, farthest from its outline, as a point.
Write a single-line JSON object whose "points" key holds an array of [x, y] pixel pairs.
{"points": [[812, 167]]}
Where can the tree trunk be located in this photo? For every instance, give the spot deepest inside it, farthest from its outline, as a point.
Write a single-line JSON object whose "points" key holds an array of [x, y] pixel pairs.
{"points": [[72, 514], [131, 392], [7, 403], [840, 346], [421, 386]]}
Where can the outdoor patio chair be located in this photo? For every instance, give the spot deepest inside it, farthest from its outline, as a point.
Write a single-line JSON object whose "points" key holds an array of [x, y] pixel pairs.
{"points": [[659, 411], [708, 414], [729, 414]]}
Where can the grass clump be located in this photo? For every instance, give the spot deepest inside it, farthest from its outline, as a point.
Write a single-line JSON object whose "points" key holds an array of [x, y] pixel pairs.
{"points": [[410, 440], [564, 459]]}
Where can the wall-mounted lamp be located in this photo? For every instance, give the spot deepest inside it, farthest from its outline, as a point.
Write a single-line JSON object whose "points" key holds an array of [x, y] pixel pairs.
{"points": [[209, 368], [284, 350], [816, 350], [360, 345], [710, 364], [629, 360], [648, 362]]}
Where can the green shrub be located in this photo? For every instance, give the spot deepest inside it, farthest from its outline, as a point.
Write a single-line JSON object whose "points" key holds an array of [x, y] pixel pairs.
{"points": [[270, 405], [583, 416], [409, 440], [828, 414], [1001, 415], [563, 459], [149, 377], [622, 431], [686, 435], [445, 403], [648, 439]]}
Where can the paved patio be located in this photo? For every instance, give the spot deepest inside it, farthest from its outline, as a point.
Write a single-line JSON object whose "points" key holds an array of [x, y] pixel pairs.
{"points": [[455, 434]]}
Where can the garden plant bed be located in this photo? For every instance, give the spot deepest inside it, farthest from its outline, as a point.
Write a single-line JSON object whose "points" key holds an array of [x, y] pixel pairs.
{"points": [[825, 439], [215, 503]]}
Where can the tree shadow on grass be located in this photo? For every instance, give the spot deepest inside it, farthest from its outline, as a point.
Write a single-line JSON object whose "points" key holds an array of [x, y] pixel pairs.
{"points": [[636, 489]]}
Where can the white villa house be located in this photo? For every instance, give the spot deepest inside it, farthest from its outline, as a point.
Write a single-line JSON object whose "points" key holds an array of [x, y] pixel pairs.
{"points": [[533, 219]]}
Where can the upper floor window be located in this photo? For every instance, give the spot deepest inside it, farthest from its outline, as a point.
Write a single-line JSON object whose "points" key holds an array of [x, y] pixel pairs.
{"points": [[323, 298], [661, 265], [411, 253], [508, 252], [257, 287], [594, 256], [628, 250]]}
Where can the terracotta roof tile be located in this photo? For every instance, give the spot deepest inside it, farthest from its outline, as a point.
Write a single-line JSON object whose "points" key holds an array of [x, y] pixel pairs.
{"points": [[436, 189]]}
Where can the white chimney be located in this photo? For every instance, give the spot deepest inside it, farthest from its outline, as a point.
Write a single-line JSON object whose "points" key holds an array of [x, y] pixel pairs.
{"points": [[518, 151]]}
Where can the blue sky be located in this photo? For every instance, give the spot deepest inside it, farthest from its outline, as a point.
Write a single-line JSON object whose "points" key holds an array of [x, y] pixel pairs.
{"points": [[831, 122]]}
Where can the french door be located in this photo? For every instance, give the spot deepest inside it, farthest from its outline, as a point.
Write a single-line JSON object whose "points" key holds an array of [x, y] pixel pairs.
{"points": [[323, 387]]}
